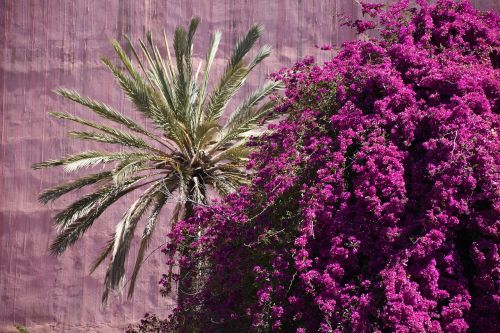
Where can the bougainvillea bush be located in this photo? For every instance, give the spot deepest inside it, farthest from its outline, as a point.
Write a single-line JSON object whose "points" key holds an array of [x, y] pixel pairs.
{"points": [[375, 202]]}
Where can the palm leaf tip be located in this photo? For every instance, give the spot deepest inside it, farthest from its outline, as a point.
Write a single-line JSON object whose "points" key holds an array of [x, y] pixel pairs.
{"points": [[105, 252], [193, 26], [46, 164], [58, 191], [246, 44], [264, 52], [180, 45]]}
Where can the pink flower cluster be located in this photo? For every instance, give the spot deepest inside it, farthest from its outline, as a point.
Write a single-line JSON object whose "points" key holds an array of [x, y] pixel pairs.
{"points": [[375, 203]]}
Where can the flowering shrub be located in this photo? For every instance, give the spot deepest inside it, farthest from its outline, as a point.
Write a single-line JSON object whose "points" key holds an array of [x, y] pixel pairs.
{"points": [[375, 202], [148, 324]]}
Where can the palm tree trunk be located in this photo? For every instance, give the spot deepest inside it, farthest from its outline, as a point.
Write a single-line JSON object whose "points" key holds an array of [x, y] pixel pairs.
{"points": [[184, 284], [190, 279]]}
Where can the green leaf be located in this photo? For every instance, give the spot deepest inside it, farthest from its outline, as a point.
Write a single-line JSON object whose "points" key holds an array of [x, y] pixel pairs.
{"points": [[125, 170], [236, 153], [193, 26], [139, 94], [126, 60]]}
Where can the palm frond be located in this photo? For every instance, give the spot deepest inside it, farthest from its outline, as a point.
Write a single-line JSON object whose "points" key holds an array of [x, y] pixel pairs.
{"points": [[84, 205], [138, 93], [193, 26], [244, 122], [263, 53], [222, 94], [125, 170], [163, 78], [184, 85], [101, 109], [126, 60], [205, 133], [122, 138], [93, 158], [124, 233], [152, 103], [209, 59], [56, 192], [159, 201], [103, 255], [136, 55], [119, 136], [244, 110], [170, 64], [105, 292], [236, 153], [79, 217], [180, 48], [245, 45]]}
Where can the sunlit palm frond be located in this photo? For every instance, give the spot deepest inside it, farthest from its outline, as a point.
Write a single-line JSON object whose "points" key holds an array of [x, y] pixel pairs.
{"points": [[247, 117], [159, 202], [58, 191], [264, 52], [105, 252], [244, 122], [146, 101], [125, 231], [93, 158], [100, 108], [226, 89], [117, 137], [79, 216], [244, 110], [242, 48], [209, 59], [236, 153]]}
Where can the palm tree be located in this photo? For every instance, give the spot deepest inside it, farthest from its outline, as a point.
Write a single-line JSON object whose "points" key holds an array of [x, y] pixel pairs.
{"points": [[189, 153]]}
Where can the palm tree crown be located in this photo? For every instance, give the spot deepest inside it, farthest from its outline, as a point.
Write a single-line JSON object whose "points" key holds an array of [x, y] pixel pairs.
{"points": [[188, 152]]}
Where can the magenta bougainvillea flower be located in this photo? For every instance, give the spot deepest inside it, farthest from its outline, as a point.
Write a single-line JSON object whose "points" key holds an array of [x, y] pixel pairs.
{"points": [[374, 205]]}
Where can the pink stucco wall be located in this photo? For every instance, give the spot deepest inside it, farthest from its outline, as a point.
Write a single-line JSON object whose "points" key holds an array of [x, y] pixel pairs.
{"points": [[48, 44]]}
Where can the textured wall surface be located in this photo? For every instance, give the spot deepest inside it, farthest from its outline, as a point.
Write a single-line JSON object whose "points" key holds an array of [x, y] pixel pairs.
{"points": [[48, 44]]}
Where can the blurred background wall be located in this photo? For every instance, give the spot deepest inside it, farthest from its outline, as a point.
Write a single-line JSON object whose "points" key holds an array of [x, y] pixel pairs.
{"points": [[48, 44]]}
